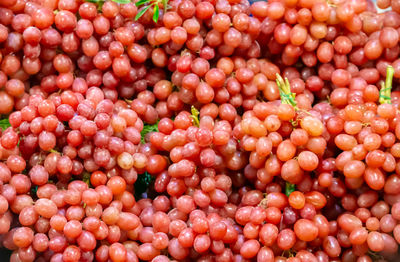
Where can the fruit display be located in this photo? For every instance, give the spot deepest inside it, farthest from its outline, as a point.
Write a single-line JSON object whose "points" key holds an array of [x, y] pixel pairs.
{"points": [[200, 130]]}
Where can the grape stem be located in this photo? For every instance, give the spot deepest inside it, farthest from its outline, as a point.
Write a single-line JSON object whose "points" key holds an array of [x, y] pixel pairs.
{"points": [[195, 116], [288, 253], [385, 92], [374, 255], [151, 3], [165, 4], [86, 178], [287, 97]]}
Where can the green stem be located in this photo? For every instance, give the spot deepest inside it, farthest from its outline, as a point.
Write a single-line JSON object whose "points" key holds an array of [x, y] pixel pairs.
{"points": [[287, 97], [86, 178], [165, 4], [195, 116], [385, 92]]}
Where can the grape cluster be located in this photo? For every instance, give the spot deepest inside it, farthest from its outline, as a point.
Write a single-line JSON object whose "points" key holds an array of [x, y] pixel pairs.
{"points": [[191, 130]]}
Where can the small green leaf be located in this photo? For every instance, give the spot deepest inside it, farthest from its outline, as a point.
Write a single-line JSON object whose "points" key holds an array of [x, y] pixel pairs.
{"points": [[141, 2], [142, 12], [93, 1], [122, 1], [148, 129], [156, 13], [289, 188], [4, 124]]}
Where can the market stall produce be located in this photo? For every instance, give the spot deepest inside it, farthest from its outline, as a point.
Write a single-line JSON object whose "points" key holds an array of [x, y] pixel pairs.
{"points": [[200, 130]]}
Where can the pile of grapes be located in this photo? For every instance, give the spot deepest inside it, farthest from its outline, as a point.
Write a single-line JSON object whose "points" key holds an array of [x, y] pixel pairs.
{"points": [[200, 130]]}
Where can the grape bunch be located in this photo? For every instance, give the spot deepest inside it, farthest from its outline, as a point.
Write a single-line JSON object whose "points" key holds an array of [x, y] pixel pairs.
{"points": [[200, 130]]}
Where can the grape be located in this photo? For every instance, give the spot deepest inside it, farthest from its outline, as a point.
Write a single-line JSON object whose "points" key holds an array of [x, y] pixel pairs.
{"points": [[375, 241], [45, 207], [23, 237]]}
